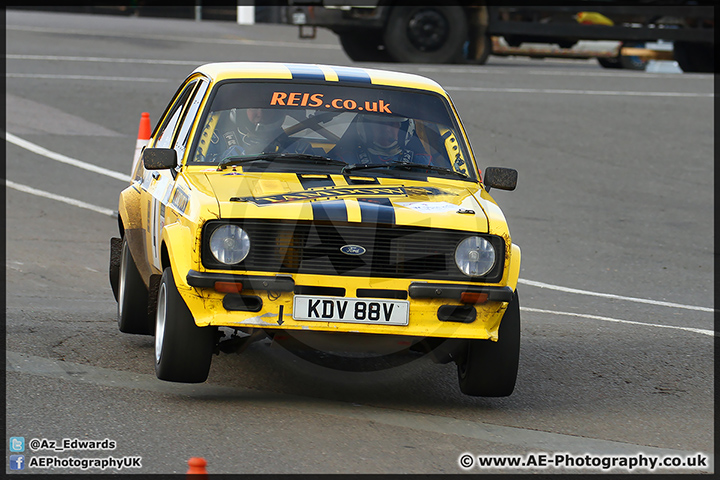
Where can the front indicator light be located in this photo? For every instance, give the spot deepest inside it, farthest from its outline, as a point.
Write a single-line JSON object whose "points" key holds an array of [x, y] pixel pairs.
{"points": [[228, 287], [475, 256], [229, 244], [473, 297]]}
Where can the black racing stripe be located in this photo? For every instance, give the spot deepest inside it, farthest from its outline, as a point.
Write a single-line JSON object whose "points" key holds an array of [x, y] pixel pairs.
{"points": [[352, 74], [333, 211], [306, 72], [315, 181], [376, 210]]}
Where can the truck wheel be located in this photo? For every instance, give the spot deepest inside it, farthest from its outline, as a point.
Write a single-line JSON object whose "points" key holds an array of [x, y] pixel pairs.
{"points": [[695, 57], [609, 62], [132, 296], [183, 351], [426, 34], [487, 368], [364, 47]]}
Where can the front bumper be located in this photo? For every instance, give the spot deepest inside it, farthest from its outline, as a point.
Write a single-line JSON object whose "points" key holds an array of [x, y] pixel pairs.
{"points": [[449, 310]]}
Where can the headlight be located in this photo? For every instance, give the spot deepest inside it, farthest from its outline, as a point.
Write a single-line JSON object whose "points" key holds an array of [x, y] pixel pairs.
{"points": [[229, 244], [475, 256]]}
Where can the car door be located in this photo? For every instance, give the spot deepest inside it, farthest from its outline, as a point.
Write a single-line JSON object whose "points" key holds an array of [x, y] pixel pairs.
{"points": [[157, 185]]}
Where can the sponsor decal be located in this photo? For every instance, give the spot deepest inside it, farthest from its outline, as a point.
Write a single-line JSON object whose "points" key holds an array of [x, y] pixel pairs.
{"points": [[314, 100], [430, 207], [340, 192], [179, 200]]}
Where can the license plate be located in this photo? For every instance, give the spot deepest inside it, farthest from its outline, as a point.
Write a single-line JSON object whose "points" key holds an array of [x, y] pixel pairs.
{"points": [[351, 310]]}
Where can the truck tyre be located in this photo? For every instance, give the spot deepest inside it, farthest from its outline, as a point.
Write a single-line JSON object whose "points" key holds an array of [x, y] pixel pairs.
{"points": [[487, 368], [695, 57], [629, 62], [183, 351], [364, 47], [426, 34], [132, 296], [609, 62]]}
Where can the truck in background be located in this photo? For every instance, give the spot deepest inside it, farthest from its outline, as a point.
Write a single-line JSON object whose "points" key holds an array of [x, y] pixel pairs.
{"points": [[382, 31]]}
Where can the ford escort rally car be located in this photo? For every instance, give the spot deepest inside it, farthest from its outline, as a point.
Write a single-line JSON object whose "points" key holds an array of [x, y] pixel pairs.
{"points": [[325, 203]]}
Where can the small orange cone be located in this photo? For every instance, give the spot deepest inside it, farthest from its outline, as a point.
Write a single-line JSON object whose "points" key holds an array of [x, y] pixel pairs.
{"points": [[144, 132], [197, 467]]}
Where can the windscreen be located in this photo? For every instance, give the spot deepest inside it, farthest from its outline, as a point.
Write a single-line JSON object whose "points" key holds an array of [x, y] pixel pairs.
{"points": [[372, 130]]}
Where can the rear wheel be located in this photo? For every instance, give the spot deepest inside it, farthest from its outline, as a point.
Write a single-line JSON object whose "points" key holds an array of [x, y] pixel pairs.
{"points": [[364, 47], [487, 368], [426, 34], [183, 351], [132, 296]]}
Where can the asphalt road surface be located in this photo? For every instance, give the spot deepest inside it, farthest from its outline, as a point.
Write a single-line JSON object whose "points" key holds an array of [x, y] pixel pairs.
{"points": [[613, 212]]}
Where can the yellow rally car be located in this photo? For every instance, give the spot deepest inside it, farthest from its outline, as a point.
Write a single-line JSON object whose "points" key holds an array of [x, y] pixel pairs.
{"points": [[339, 207]]}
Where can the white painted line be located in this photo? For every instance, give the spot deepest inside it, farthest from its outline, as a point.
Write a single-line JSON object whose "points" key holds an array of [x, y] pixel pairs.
{"points": [[59, 198], [494, 69], [617, 320], [86, 77], [64, 159], [67, 58], [524, 439], [183, 39], [580, 92], [616, 297]]}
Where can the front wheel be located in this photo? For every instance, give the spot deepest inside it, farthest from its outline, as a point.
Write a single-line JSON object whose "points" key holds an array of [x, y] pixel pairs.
{"points": [[183, 351], [487, 368]]}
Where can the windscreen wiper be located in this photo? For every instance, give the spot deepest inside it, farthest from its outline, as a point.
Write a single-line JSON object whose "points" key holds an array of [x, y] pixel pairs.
{"points": [[282, 157], [408, 166]]}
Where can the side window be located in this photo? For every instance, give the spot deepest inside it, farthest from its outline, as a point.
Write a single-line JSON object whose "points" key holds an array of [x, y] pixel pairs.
{"points": [[186, 126], [165, 136]]}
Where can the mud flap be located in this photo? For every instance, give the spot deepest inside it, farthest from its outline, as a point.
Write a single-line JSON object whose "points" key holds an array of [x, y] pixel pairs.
{"points": [[153, 288], [115, 252]]}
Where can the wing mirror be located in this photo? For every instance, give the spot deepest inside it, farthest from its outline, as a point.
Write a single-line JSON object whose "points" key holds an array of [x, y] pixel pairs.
{"points": [[500, 177], [159, 158]]}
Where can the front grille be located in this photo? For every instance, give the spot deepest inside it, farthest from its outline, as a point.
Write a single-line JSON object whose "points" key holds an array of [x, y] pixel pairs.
{"points": [[391, 251]]}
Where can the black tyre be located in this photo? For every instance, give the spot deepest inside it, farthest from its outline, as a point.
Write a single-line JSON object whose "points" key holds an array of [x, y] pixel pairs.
{"points": [[364, 47], [487, 368], [426, 34], [609, 62], [695, 57], [132, 296], [183, 351]]}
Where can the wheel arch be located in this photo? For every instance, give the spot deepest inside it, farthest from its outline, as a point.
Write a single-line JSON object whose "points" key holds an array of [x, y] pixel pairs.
{"points": [[177, 245]]}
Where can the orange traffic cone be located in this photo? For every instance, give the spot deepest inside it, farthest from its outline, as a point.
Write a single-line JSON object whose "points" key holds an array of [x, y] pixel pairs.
{"points": [[144, 132], [197, 467]]}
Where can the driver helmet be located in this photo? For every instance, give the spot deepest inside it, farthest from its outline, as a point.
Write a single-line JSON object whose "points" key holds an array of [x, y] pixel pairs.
{"points": [[385, 135], [258, 126]]}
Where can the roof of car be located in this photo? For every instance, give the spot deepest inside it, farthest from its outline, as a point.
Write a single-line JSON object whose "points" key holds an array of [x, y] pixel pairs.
{"points": [[316, 73]]}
